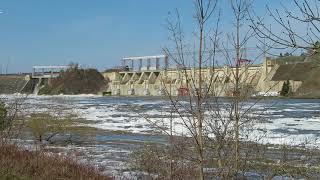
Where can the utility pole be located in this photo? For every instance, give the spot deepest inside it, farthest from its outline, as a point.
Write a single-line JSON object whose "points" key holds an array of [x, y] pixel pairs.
{"points": [[7, 66]]}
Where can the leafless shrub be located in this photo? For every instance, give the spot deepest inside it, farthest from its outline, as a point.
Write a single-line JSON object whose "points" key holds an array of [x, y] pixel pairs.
{"points": [[11, 121]]}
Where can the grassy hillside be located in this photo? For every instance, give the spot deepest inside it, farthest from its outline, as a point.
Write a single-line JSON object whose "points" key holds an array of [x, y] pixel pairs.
{"points": [[301, 68], [75, 81], [311, 84]]}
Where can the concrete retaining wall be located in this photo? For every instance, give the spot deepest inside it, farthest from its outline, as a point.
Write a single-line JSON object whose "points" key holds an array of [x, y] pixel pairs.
{"points": [[12, 84]]}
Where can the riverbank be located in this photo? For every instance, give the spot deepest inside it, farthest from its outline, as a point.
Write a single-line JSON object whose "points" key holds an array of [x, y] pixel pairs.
{"points": [[17, 163]]}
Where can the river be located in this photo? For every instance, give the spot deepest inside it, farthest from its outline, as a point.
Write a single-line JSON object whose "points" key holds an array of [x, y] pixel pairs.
{"points": [[123, 127]]}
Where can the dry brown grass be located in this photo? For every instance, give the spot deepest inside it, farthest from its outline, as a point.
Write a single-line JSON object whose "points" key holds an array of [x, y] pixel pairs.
{"points": [[21, 164]]}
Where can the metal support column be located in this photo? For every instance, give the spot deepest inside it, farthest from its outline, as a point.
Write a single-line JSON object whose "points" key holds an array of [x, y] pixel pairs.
{"points": [[157, 63], [166, 62], [140, 64], [132, 65], [149, 64]]}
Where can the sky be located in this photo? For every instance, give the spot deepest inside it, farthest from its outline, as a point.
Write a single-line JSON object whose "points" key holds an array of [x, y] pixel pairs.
{"points": [[93, 33]]}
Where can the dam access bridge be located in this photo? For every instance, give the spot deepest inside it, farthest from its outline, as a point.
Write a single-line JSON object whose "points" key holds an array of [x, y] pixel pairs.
{"points": [[46, 72], [40, 73], [152, 76]]}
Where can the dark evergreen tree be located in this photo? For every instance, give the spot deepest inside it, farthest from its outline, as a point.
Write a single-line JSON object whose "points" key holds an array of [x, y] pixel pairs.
{"points": [[285, 91]]}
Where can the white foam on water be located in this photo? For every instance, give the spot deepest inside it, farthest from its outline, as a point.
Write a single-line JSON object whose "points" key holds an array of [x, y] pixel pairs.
{"points": [[267, 94]]}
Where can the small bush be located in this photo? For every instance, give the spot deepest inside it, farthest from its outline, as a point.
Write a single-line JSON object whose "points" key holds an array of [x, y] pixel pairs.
{"points": [[45, 126], [164, 162], [285, 91], [3, 116]]}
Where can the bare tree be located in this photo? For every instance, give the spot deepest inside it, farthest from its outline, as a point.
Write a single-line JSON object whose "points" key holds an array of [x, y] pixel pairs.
{"points": [[192, 115], [211, 124], [284, 31], [215, 128]]}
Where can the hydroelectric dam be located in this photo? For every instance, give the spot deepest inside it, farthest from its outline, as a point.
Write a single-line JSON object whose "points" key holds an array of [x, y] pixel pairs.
{"points": [[152, 76]]}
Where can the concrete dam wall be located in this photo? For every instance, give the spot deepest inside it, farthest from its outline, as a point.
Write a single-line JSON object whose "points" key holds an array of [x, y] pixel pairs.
{"points": [[265, 79], [158, 82], [12, 84]]}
